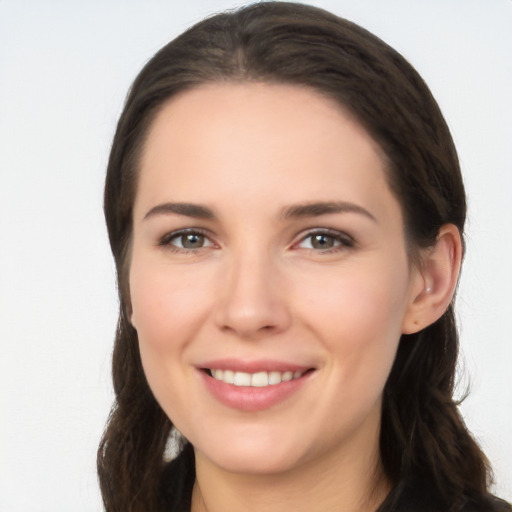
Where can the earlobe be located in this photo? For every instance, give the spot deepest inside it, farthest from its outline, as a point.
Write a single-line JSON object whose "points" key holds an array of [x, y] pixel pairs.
{"points": [[437, 280]]}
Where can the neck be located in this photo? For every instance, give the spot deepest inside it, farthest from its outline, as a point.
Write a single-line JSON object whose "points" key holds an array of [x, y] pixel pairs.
{"points": [[335, 482]]}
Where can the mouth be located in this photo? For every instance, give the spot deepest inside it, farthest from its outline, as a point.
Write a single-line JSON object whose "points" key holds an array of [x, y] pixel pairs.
{"points": [[254, 386], [260, 379]]}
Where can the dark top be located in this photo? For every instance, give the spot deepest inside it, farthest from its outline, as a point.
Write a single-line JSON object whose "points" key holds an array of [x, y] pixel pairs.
{"points": [[410, 495]]}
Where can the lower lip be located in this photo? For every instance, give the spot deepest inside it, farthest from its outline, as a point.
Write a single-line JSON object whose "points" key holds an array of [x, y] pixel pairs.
{"points": [[249, 398]]}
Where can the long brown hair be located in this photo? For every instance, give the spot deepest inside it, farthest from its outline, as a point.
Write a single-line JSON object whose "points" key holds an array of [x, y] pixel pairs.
{"points": [[422, 432]]}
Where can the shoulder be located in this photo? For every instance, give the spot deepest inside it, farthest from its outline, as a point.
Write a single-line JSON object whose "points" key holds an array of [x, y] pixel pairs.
{"points": [[418, 496], [487, 503], [177, 481]]}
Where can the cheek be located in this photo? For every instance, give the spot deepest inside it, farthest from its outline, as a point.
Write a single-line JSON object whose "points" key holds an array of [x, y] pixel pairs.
{"points": [[167, 311], [358, 315], [166, 305]]}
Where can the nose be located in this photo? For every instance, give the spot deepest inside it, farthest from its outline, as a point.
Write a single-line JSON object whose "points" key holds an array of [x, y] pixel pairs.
{"points": [[252, 301]]}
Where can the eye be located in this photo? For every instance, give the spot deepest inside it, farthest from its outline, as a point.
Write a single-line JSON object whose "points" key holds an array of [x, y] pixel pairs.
{"points": [[326, 241], [186, 240]]}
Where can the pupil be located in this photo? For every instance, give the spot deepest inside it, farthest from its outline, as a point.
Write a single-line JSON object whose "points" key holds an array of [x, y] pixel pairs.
{"points": [[322, 241], [192, 241]]}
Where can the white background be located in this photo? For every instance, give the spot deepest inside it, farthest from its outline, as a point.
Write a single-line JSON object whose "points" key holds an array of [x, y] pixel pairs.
{"points": [[65, 67]]}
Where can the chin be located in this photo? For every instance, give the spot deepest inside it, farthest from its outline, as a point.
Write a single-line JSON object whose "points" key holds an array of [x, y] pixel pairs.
{"points": [[251, 464], [252, 456]]}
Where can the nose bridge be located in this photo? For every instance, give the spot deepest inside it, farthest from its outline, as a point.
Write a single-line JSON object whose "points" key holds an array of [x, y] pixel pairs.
{"points": [[250, 298]]}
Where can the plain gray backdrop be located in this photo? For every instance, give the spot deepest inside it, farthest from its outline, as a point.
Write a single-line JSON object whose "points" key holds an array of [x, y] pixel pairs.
{"points": [[65, 67]]}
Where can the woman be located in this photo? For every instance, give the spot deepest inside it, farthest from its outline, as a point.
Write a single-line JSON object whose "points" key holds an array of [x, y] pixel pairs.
{"points": [[286, 210]]}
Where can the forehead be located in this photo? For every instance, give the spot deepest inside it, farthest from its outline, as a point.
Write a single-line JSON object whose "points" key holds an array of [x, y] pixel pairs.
{"points": [[254, 141], [297, 110]]}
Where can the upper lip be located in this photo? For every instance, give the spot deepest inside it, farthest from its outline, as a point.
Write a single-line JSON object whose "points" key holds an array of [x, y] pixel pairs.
{"points": [[254, 366]]}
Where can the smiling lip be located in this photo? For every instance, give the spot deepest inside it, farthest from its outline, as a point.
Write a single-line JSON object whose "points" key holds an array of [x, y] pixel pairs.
{"points": [[253, 397]]}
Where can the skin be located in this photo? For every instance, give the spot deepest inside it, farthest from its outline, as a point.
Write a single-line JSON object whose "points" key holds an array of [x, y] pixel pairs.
{"points": [[257, 287]]}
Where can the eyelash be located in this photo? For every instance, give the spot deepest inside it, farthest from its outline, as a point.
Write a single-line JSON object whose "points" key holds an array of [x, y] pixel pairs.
{"points": [[342, 241], [166, 240]]}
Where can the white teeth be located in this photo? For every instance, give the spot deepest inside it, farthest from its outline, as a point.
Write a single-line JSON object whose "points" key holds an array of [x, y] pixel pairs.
{"points": [[274, 378], [229, 376], [257, 380], [287, 376], [242, 379]]}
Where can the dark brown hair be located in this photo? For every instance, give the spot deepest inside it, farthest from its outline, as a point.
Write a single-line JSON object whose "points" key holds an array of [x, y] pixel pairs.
{"points": [[422, 432]]}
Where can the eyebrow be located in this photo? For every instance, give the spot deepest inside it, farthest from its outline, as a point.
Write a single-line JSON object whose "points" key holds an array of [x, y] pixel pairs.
{"points": [[324, 208], [187, 209], [315, 209]]}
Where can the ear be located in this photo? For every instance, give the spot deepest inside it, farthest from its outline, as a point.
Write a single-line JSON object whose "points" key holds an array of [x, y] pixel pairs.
{"points": [[435, 280]]}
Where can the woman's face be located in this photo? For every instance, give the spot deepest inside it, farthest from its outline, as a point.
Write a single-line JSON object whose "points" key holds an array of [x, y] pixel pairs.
{"points": [[267, 246]]}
